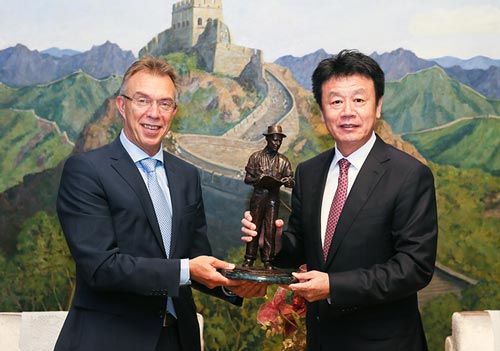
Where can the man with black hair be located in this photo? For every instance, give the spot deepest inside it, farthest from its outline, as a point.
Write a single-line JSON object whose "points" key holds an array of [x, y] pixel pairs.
{"points": [[363, 220]]}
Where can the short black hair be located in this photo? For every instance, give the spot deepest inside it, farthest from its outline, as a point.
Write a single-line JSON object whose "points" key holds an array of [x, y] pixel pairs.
{"points": [[347, 63]]}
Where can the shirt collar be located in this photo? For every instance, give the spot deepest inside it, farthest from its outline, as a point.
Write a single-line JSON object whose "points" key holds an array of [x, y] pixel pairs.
{"points": [[136, 153], [358, 157]]}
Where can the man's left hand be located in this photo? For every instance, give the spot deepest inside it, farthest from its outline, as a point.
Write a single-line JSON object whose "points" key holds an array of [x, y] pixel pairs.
{"points": [[313, 285]]}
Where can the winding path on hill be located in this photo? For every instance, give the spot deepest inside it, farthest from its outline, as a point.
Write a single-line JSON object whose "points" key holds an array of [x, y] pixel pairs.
{"points": [[228, 154], [446, 125], [279, 103]]}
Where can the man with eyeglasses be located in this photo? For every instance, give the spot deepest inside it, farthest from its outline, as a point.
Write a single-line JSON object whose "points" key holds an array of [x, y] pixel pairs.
{"points": [[134, 220]]}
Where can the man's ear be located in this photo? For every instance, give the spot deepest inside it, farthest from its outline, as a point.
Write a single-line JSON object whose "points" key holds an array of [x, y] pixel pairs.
{"points": [[379, 107], [120, 104]]}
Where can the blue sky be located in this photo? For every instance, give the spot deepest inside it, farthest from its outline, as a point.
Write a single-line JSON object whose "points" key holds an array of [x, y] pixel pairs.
{"points": [[430, 28]]}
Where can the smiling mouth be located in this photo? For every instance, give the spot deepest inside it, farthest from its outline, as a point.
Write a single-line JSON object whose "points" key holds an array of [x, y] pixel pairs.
{"points": [[150, 127], [348, 126]]}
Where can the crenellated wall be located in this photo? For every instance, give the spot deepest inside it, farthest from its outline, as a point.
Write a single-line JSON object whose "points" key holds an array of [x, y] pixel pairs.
{"points": [[231, 59], [278, 98], [198, 28], [190, 18]]}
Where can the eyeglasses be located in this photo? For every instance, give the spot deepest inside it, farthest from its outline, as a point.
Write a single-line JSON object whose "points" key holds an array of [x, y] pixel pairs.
{"points": [[166, 105]]}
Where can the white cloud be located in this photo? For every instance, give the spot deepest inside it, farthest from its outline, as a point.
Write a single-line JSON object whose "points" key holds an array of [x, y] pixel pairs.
{"points": [[279, 27], [465, 20]]}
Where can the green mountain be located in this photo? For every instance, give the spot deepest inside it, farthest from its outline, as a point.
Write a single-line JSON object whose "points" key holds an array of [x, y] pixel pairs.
{"points": [[429, 98], [471, 143], [29, 144], [6, 93], [70, 102], [469, 217]]}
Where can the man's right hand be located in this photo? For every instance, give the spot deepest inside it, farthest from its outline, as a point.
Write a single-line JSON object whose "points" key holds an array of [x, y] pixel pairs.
{"points": [[203, 269], [249, 228]]}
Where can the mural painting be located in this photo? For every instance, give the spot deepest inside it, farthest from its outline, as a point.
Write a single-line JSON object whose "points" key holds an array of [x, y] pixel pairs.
{"points": [[443, 110]]}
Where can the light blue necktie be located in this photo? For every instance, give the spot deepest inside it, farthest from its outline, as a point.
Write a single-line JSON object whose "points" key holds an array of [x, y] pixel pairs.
{"points": [[160, 203], [162, 210]]}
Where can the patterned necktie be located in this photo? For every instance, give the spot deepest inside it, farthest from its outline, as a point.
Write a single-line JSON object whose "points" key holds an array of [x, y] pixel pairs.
{"points": [[337, 205], [162, 210], [160, 203]]}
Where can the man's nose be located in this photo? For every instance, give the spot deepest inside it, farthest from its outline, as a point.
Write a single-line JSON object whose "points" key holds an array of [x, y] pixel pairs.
{"points": [[154, 109], [347, 110]]}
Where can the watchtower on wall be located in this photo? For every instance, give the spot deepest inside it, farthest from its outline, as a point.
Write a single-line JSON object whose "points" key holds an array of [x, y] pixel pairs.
{"points": [[198, 28], [190, 18]]}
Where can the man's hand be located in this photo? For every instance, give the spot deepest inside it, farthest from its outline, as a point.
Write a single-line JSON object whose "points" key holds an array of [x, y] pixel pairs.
{"points": [[203, 269], [313, 285], [249, 229]]}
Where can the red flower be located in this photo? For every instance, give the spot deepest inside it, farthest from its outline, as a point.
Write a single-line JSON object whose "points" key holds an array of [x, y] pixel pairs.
{"points": [[299, 305], [281, 316], [270, 311]]}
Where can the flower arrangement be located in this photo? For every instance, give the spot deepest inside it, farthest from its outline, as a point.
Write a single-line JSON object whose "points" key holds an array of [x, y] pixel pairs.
{"points": [[279, 317]]}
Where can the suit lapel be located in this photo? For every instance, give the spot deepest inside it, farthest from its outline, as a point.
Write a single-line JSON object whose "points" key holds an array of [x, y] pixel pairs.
{"points": [[368, 177], [316, 193], [126, 168], [172, 178]]}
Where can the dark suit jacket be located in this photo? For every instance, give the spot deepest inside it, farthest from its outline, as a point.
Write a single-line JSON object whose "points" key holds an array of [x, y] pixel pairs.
{"points": [[383, 251], [122, 275]]}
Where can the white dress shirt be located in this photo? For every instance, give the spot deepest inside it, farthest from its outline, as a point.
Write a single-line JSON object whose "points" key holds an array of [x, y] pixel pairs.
{"points": [[357, 158], [137, 155]]}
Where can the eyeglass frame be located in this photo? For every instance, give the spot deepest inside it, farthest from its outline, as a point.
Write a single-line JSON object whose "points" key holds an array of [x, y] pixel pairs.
{"points": [[166, 108]]}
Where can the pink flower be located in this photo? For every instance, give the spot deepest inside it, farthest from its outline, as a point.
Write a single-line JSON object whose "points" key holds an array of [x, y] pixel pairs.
{"points": [[270, 311], [281, 316], [299, 305]]}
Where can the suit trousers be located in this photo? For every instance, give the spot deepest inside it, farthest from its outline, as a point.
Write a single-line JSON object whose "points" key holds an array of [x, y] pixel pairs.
{"points": [[169, 339]]}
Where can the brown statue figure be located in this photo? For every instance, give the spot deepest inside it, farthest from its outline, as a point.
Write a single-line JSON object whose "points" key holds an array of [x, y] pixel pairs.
{"points": [[267, 170]]}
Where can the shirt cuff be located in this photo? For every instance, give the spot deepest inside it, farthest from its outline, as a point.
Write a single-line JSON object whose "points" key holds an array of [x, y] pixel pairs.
{"points": [[185, 277]]}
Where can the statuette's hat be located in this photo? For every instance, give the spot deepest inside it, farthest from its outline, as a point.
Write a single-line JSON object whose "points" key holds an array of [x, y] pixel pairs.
{"points": [[274, 130]]}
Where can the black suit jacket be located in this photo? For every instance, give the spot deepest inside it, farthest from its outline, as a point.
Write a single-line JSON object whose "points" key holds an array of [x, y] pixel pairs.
{"points": [[383, 251], [122, 275]]}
